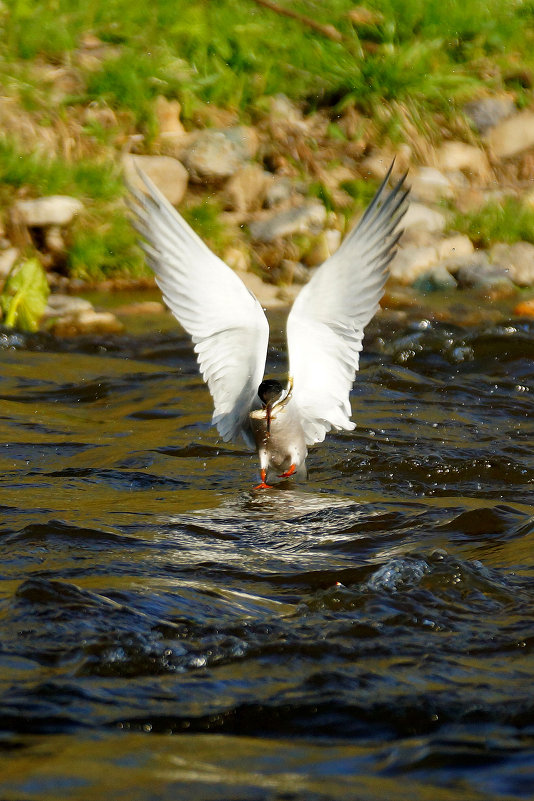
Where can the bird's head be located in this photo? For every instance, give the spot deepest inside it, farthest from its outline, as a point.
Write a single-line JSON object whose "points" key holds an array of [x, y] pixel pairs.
{"points": [[270, 391]]}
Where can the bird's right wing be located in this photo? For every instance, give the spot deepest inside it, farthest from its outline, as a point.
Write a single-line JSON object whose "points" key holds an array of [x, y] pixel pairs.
{"points": [[225, 321]]}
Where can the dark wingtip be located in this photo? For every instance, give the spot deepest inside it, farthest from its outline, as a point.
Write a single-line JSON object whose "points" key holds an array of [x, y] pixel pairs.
{"points": [[402, 182]]}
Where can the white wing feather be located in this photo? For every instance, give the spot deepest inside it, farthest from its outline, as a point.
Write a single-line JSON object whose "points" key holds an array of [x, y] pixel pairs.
{"points": [[225, 321], [325, 326]]}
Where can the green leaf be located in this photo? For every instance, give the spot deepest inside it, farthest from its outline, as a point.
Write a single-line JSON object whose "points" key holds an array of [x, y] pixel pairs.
{"points": [[24, 297]]}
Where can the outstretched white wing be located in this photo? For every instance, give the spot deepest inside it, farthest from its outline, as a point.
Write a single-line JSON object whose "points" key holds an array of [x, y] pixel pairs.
{"points": [[225, 321], [325, 326]]}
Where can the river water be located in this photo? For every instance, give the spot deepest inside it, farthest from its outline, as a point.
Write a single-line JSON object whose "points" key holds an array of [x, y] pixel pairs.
{"points": [[167, 632]]}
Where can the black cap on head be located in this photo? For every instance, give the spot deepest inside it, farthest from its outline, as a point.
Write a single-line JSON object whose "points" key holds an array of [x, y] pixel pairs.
{"points": [[270, 390]]}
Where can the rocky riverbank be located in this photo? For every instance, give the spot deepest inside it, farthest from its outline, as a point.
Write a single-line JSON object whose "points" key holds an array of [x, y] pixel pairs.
{"points": [[275, 198]]}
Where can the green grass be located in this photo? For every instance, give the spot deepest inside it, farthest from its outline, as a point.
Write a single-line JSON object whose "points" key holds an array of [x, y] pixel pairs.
{"points": [[231, 52], [131, 82], [104, 246], [362, 192], [508, 221], [205, 219], [102, 241], [86, 178], [321, 192]]}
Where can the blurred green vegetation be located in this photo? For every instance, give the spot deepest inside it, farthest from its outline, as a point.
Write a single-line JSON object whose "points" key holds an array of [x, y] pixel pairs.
{"points": [[99, 180], [24, 296], [507, 220], [102, 240], [231, 52], [422, 57], [205, 218]]}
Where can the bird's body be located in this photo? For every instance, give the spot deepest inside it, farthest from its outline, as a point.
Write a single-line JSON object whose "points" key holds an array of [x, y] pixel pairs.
{"points": [[280, 440], [230, 331]]}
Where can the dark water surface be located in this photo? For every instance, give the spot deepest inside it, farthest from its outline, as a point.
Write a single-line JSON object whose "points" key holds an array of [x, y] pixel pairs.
{"points": [[166, 632]]}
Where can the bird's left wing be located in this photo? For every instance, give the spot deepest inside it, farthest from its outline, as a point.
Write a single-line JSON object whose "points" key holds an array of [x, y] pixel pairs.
{"points": [[325, 326], [225, 321]]}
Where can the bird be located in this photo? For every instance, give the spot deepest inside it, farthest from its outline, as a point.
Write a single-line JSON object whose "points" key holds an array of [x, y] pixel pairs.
{"points": [[280, 419]]}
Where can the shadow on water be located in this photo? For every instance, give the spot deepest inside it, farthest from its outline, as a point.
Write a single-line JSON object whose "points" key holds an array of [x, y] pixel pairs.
{"points": [[167, 632]]}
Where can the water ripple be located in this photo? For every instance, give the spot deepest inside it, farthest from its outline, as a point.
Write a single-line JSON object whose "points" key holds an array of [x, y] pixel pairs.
{"points": [[368, 634]]}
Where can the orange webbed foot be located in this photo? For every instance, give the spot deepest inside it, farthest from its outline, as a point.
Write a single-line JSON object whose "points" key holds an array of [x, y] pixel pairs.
{"points": [[289, 472], [262, 484]]}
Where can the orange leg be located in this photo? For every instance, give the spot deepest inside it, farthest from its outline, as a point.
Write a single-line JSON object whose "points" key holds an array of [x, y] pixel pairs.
{"points": [[263, 485], [289, 472]]}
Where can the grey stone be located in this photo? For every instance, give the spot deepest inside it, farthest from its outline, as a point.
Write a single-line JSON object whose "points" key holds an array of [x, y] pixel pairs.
{"points": [[477, 273], [455, 156], [140, 309], [8, 257], [419, 237], [279, 191], [512, 136], [437, 279], [169, 175], [308, 218], [423, 218], [60, 305], [54, 240], [411, 262], [52, 210], [212, 156], [430, 185], [244, 139], [488, 111], [246, 189], [455, 246], [168, 116], [478, 259], [87, 321], [518, 259], [284, 113]]}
